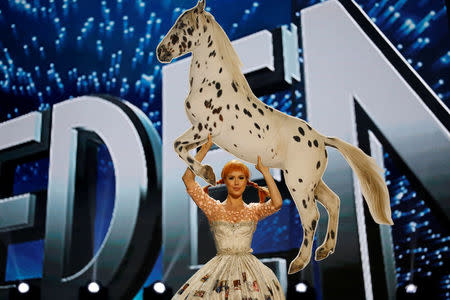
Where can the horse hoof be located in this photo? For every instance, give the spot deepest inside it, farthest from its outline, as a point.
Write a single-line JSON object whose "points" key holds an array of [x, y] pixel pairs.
{"points": [[295, 266], [208, 175], [322, 253]]}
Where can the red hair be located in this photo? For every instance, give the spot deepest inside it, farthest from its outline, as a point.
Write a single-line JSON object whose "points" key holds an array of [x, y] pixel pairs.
{"points": [[236, 165]]}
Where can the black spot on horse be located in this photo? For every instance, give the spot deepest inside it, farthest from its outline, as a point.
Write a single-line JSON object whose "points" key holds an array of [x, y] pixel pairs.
{"points": [[235, 145], [219, 93], [220, 70], [259, 136], [174, 39], [185, 142], [326, 154], [306, 242], [257, 126], [220, 118], [318, 164], [190, 160], [205, 28], [217, 110], [296, 138], [200, 90], [247, 113], [207, 118], [271, 109], [214, 124], [267, 126], [180, 148], [309, 144], [316, 143], [200, 127], [248, 98], [254, 105], [261, 111], [191, 80], [188, 105], [218, 85], [190, 30], [250, 131], [210, 44], [212, 53], [232, 127], [309, 127], [302, 132], [228, 106], [234, 86], [236, 107], [177, 143], [300, 180], [304, 204], [189, 44], [313, 224], [332, 234], [293, 190], [208, 103]]}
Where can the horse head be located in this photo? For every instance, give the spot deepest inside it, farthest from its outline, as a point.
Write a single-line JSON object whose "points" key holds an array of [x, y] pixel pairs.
{"points": [[185, 35]]}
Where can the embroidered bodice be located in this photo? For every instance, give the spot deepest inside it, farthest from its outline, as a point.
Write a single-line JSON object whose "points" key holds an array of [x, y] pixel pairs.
{"points": [[233, 238], [232, 229]]}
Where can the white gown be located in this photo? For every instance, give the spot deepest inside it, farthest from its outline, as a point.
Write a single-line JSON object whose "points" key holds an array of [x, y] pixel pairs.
{"points": [[234, 273]]}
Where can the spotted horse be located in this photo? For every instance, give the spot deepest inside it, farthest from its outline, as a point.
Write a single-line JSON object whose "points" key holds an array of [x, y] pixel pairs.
{"points": [[221, 102]]}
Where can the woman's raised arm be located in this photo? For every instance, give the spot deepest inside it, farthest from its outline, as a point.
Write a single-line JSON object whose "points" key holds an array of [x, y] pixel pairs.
{"points": [[275, 195]]}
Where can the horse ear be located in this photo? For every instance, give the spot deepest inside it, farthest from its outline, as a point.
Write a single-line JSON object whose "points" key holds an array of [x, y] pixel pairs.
{"points": [[201, 5]]}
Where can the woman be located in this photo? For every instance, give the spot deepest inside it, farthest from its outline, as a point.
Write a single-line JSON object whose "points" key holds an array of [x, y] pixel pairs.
{"points": [[234, 273]]}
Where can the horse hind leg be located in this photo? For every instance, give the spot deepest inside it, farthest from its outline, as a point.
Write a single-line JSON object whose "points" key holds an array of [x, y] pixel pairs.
{"points": [[331, 202], [309, 215]]}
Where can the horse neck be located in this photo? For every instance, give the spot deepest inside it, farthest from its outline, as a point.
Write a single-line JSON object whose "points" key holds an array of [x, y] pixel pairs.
{"points": [[210, 70]]}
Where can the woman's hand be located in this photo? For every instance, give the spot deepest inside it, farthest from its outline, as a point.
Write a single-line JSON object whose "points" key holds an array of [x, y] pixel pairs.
{"points": [[208, 144], [273, 190], [260, 167], [189, 176], [204, 149]]}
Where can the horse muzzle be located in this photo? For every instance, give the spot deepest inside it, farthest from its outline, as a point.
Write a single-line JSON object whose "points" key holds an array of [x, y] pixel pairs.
{"points": [[163, 54]]}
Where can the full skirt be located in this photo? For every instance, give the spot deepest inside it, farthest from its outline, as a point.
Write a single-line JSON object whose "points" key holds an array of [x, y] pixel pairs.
{"points": [[234, 277]]}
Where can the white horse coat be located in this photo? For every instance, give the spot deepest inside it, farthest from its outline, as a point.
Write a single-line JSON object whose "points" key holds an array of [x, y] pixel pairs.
{"points": [[221, 102]]}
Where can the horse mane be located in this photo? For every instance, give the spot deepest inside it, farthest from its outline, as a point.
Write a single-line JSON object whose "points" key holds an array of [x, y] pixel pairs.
{"points": [[230, 58]]}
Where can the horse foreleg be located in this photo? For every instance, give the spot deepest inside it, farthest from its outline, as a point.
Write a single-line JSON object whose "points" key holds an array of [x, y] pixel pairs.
{"points": [[190, 139], [331, 202]]}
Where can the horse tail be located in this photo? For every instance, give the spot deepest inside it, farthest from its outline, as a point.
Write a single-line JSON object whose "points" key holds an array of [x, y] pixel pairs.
{"points": [[373, 187]]}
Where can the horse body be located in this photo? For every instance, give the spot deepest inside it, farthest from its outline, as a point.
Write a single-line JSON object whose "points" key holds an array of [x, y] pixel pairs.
{"points": [[220, 102]]}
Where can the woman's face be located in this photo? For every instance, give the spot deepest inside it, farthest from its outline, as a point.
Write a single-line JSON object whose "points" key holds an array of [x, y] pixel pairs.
{"points": [[236, 181]]}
